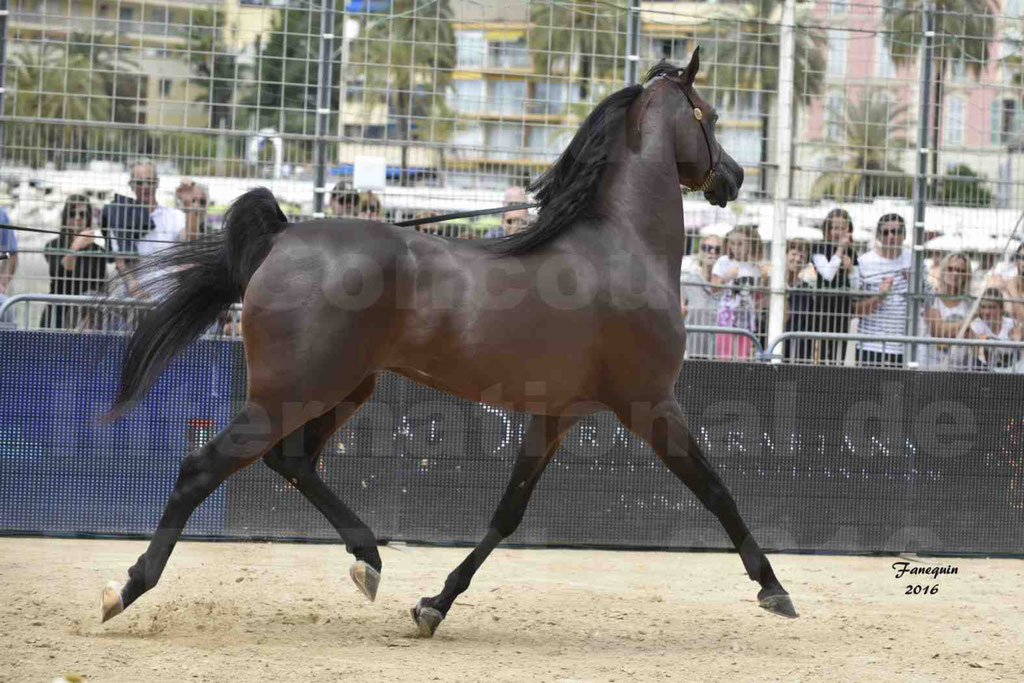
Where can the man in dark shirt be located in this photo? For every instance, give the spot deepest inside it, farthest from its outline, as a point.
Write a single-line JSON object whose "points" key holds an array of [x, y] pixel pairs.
{"points": [[126, 220]]}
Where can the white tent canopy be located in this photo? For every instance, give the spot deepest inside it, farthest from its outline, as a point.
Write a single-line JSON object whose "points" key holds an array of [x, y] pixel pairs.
{"points": [[961, 228]]}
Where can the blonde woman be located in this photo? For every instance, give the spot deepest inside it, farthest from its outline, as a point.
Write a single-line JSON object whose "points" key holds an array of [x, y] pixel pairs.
{"points": [[739, 277], [947, 310], [994, 324]]}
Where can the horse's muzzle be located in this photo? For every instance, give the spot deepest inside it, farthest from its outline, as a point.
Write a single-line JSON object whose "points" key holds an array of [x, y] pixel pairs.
{"points": [[727, 182]]}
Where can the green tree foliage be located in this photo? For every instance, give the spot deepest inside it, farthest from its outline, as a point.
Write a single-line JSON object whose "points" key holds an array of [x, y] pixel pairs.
{"points": [[592, 31], [216, 71], [963, 187], [57, 89], [283, 96], [406, 58], [744, 56], [964, 30], [116, 69], [872, 137]]}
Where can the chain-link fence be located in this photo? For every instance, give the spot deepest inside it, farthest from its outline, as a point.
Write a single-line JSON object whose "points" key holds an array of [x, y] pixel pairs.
{"points": [[396, 109]]}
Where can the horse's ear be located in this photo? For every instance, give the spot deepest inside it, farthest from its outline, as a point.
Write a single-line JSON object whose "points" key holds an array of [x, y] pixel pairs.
{"points": [[690, 72]]}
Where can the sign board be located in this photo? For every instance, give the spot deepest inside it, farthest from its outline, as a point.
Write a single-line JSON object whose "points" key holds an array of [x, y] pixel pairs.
{"points": [[368, 173]]}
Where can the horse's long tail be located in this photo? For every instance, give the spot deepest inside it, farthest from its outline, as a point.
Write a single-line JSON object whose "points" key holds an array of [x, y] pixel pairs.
{"points": [[192, 284]]}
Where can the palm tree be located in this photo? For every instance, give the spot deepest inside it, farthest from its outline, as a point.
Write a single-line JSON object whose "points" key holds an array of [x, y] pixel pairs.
{"points": [[963, 31], [284, 95], [53, 86], [215, 67], [408, 57], [116, 68], [871, 139], [591, 30], [745, 56]]}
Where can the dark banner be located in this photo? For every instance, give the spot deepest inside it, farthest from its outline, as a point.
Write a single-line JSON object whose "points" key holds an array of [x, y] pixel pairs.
{"points": [[817, 458]]}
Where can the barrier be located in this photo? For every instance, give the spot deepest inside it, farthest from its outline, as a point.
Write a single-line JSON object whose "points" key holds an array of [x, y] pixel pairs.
{"points": [[818, 458]]}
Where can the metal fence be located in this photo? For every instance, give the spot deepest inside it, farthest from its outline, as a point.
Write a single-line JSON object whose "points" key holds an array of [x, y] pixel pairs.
{"points": [[400, 108], [818, 458]]}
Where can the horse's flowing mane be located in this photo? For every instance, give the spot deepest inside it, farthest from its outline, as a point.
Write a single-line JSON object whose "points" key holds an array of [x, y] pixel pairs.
{"points": [[566, 191]]}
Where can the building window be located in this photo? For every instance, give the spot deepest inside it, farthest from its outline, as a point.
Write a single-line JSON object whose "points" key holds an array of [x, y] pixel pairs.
{"points": [[537, 138], [839, 7], [506, 97], [470, 48], [468, 96], [165, 86], [834, 116], [675, 50], [505, 141], [741, 105], [743, 145], [126, 13], [508, 55], [1005, 121], [836, 52], [953, 122], [884, 66], [958, 70], [549, 98], [471, 135]]}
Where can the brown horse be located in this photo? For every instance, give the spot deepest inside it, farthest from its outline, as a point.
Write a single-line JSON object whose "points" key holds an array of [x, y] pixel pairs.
{"points": [[577, 314]]}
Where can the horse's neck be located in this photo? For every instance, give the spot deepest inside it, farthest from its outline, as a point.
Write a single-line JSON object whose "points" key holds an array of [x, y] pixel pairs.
{"points": [[640, 197]]}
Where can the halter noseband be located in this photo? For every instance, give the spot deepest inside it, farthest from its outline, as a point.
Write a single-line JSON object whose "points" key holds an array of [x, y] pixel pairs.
{"points": [[712, 164]]}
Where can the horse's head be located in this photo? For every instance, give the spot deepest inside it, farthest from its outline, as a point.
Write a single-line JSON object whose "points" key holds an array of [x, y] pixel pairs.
{"points": [[701, 163]]}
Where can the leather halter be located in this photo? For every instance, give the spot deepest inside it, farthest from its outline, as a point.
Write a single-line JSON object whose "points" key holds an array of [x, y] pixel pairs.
{"points": [[712, 164]]}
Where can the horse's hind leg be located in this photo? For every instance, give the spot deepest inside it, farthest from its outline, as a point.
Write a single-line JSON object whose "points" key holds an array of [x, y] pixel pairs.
{"points": [[250, 434], [295, 458], [543, 435], [664, 428]]}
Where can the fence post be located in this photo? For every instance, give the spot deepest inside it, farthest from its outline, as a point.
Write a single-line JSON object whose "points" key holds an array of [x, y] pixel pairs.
{"points": [[323, 105], [921, 176], [784, 141], [632, 41], [4, 17]]}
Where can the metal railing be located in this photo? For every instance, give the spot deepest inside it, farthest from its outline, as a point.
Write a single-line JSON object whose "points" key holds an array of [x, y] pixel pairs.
{"points": [[86, 302], [769, 353]]}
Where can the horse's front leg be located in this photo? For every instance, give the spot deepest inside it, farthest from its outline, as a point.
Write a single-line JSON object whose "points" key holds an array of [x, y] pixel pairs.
{"points": [[663, 426], [543, 435]]}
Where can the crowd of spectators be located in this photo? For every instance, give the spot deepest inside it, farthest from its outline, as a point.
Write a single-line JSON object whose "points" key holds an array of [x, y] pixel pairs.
{"points": [[725, 283], [830, 288]]}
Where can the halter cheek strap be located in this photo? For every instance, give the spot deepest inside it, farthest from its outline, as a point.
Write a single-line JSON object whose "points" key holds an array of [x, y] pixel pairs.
{"points": [[712, 164]]}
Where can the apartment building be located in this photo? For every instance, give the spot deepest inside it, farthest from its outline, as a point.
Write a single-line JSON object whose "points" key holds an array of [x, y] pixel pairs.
{"points": [[151, 37], [981, 123]]}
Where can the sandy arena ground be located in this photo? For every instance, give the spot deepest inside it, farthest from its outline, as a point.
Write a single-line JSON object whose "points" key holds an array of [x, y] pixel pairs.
{"points": [[282, 612]]}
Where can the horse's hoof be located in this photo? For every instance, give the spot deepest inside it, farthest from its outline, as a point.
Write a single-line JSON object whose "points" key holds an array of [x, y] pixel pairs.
{"points": [[366, 578], [427, 618], [112, 604], [777, 601]]}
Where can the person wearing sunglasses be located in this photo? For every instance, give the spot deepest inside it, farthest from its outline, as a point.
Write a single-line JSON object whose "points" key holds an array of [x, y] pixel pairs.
{"points": [[699, 300], [883, 276], [945, 312], [194, 200], [77, 263], [834, 260], [138, 227]]}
